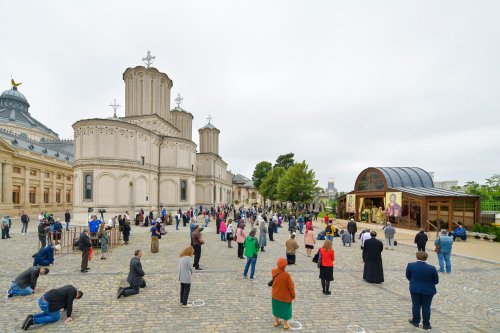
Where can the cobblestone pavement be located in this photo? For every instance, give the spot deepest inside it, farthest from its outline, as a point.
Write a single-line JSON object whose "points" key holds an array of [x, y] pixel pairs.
{"points": [[467, 299]]}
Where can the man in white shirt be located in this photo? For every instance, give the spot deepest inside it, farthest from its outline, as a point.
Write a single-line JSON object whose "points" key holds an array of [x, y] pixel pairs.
{"points": [[365, 236]]}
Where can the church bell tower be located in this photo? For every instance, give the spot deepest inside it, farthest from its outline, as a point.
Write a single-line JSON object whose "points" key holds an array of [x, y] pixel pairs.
{"points": [[209, 138]]}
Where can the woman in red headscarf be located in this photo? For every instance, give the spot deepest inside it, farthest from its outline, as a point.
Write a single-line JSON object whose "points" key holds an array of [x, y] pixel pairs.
{"points": [[283, 294]]}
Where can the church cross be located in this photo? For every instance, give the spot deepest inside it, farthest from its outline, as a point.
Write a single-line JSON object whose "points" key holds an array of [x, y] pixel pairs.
{"points": [[179, 100], [114, 106], [148, 60], [209, 119]]}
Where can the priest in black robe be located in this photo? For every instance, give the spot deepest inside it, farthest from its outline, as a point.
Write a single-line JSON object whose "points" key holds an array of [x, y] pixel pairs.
{"points": [[372, 255]]}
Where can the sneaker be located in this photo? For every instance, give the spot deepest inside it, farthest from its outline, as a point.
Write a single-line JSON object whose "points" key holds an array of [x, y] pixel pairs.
{"points": [[199, 268], [10, 293], [27, 322], [328, 292], [189, 305], [119, 293], [412, 322], [252, 279], [245, 277]]}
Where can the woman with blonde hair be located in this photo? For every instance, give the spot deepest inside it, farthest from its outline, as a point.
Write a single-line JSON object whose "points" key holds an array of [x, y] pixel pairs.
{"points": [[185, 273], [326, 266]]}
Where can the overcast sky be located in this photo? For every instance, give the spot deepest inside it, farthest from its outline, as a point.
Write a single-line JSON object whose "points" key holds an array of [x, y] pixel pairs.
{"points": [[345, 85]]}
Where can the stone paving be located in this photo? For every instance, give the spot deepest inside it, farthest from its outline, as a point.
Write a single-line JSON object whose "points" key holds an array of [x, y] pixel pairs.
{"points": [[467, 299]]}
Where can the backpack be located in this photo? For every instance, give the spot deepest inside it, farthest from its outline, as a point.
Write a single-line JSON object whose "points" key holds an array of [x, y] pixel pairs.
{"points": [[328, 229]]}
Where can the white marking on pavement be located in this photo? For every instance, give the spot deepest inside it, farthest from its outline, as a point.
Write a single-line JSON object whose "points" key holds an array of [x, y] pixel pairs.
{"points": [[356, 329], [295, 325], [198, 302]]}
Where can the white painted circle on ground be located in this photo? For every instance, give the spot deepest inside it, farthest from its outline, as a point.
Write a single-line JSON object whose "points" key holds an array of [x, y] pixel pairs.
{"points": [[198, 302], [295, 325], [356, 329]]}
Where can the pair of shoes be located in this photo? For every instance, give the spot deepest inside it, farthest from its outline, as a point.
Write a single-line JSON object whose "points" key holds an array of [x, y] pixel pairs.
{"points": [[412, 322], [199, 268], [277, 323], [27, 322], [188, 305], [119, 293], [103, 258], [427, 327], [328, 292]]}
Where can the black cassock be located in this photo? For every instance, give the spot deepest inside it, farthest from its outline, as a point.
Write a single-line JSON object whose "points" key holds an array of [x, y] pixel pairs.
{"points": [[372, 255]]}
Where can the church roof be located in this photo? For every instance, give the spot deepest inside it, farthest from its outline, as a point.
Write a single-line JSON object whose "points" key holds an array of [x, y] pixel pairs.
{"points": [[242, 181], [59, 149], [209, 126], [406, 177], [14, 110]]}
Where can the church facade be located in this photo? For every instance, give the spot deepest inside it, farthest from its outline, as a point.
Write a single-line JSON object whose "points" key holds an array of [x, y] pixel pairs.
{"points": [[147, 159]]}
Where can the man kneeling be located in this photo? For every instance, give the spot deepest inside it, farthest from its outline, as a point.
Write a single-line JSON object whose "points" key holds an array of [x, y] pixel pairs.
{"points": [[51, 303], [25, 283], [135, 277]]}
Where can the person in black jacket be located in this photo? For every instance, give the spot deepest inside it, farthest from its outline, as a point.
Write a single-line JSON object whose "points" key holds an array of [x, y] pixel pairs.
{"points": [[421, 240], [84, 244], [352, 228], [25, 283], [51, 303], [135, 277]]}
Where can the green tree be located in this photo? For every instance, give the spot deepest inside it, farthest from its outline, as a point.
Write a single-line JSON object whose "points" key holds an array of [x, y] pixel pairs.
{"points": [[489, 191], [269, 186], [298, 184], [285, 161], [260, 172]]}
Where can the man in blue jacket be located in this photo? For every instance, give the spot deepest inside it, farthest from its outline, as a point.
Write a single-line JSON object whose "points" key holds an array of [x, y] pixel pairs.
{"points": [[423, 279]]}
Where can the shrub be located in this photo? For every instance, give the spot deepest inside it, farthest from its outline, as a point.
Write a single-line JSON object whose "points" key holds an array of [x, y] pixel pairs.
{"points": [[497, 232], [485, 229], [476, 228]]}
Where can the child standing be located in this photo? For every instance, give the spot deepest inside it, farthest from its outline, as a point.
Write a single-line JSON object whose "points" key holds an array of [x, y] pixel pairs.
{"points": [[222, 230]]}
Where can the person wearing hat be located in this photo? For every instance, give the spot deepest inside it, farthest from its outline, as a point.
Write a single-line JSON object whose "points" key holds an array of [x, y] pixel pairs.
{"points": [[291, 246], [283, 293], [5, 224], [84, 244], [352, 228]]}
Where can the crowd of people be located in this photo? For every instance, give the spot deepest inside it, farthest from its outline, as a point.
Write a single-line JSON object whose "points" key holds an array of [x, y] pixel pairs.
{"points": [[232, 225]]}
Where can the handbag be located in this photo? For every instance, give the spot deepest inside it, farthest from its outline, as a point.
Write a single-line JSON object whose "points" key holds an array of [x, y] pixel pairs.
{"points": [[395, 243], [270, 283], [438, 247], [317, 258]]}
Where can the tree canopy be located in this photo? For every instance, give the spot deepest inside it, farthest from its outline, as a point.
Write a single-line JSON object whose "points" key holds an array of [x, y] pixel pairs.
{"points": [[260, 172], [298, 184], [269, 186], [489, 191], [285, 161]]}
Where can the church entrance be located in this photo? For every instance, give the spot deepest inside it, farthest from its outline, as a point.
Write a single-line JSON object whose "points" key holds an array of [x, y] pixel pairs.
{"points": [[369, 211]]}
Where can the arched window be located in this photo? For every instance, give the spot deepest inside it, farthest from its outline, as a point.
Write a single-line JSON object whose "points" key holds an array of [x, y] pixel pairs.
{"points": [[183, 190], [254, 195], [88, 186], [370, 181]]}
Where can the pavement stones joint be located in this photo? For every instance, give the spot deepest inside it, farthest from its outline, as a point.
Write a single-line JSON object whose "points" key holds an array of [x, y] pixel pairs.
{"points": [[467, 299]]}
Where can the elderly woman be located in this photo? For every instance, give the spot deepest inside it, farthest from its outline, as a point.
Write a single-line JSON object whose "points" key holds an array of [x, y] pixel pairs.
{"points": [[283, 294], [263, 232], [155, 244], [185, 273], [103, 236]]}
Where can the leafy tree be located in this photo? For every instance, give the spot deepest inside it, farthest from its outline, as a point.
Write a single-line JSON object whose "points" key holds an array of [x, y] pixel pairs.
{"points": [[269, 186], [285, 161], [488, 191], [260, 172], [298, 184]]}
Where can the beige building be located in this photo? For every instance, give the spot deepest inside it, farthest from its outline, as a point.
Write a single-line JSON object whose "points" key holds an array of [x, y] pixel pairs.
{"points": [[245, 193], [36, 172], [147, 159]]}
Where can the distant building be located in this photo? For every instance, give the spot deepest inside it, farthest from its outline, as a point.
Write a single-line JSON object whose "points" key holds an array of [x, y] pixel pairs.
{"points": [[36, 167], [445, 184], [244, 191], [331, 189]]}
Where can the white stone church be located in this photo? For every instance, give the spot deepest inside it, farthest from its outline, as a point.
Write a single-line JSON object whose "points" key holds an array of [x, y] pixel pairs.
{"points": [[147, 159]]}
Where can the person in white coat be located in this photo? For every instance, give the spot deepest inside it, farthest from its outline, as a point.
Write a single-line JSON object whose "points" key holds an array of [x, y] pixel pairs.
{"points": [[185, 274]]}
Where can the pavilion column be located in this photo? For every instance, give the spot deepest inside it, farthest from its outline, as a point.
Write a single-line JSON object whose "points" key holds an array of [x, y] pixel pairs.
{"points": [[27, 186], [7, 183]]}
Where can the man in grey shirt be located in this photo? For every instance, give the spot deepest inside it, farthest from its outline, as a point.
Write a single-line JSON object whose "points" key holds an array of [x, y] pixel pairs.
{"points": [[292, 225], [389, 232], [25, 283]]}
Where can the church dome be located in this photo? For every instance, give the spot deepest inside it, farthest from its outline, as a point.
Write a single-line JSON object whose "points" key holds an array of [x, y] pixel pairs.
{"points": [[13, 94]]}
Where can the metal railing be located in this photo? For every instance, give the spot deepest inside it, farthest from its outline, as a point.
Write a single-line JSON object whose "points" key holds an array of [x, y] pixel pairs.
{"points": [[66, 239]]}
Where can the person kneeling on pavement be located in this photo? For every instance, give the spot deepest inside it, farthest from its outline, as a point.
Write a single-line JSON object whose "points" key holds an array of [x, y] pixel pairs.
{"points": [[135, 277], [25, 283], [51, 303], [44, 257]]}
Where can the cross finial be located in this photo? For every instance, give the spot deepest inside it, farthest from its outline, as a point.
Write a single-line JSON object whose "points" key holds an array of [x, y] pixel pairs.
{"points": [[179, 100], [148, 60], [209, 119], [114, 106]]}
